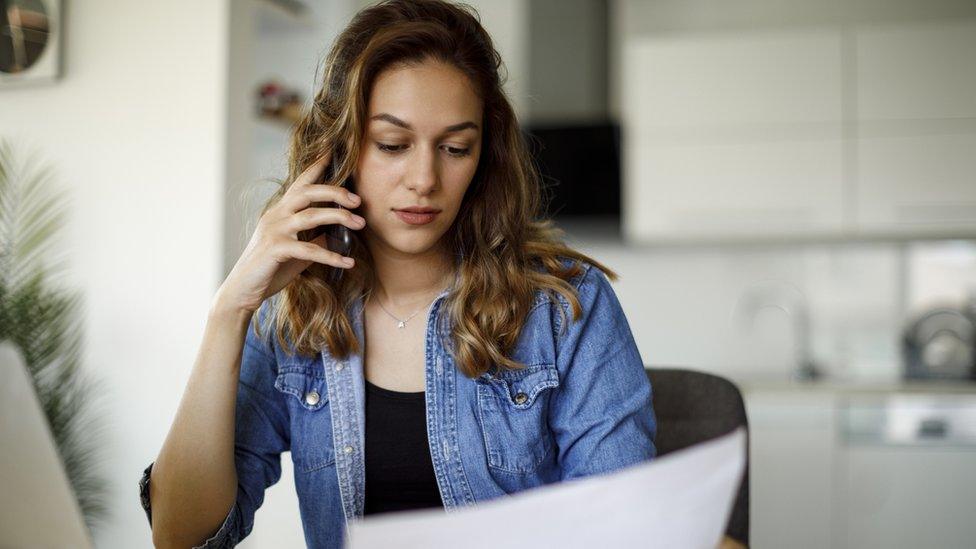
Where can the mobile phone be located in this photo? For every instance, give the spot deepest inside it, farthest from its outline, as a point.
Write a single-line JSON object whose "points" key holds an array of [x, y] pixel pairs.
{"points": [[338, 237]]}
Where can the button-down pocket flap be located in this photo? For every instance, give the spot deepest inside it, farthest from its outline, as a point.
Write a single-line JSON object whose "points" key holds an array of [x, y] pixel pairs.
{"points": [[309, 389], [521, 387]]}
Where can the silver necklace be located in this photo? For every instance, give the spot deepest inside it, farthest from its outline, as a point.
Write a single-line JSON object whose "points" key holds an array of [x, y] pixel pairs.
{"points": [[401, 322]]}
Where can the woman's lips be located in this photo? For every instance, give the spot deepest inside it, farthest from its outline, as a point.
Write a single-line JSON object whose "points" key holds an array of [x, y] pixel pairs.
{"points": [[416, 218]]}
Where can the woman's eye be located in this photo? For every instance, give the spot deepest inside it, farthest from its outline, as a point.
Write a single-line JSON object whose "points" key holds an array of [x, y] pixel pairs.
{"points": [[388, 148], [393, 149]]}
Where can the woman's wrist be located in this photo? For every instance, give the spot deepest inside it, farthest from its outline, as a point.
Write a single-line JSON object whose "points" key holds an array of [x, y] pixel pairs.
{"points": [[223, 310]]}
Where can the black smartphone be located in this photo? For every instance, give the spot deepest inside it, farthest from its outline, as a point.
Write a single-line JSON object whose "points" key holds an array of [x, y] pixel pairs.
{"points": [[338, 237]]}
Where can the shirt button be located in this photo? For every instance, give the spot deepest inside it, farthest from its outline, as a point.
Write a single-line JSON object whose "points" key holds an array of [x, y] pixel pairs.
{"points": [[347, 449], [521, 398], [437, 366], [311, 398], [339, 366]]}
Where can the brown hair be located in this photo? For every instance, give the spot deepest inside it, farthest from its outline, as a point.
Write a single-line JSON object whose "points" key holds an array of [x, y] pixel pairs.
{"points": [[503, 253]]}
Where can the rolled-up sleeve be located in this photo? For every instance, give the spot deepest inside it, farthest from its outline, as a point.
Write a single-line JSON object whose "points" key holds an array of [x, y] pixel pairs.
{"points": [[603, 417], [261, 435]]}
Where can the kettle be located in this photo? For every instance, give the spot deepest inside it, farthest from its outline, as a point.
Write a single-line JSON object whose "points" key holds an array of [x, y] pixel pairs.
{"points": [[940, 343]]}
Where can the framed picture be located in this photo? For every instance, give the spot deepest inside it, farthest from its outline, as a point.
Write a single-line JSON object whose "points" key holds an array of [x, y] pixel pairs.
{"points": [[30, 42]]}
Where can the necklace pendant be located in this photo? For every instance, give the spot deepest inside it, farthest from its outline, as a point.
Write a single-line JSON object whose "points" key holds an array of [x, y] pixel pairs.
{"points": [[400, 325]]}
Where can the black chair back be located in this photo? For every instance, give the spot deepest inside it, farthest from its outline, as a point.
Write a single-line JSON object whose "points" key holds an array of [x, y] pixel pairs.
{"points": [[693, 407]]}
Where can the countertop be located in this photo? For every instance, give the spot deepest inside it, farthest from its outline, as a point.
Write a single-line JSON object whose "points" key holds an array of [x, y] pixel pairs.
{"points": [[755, 384]]}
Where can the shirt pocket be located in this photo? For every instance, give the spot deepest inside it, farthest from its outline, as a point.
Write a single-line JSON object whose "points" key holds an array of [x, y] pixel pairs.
{"points": [[513, 407], [311, 418]]}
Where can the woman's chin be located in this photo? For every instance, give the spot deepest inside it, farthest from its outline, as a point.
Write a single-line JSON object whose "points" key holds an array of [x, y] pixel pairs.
{"points": [[416, 243]]}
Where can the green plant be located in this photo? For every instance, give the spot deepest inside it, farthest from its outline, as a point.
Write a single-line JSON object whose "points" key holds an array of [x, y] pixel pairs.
{"points": [[42, 322]]}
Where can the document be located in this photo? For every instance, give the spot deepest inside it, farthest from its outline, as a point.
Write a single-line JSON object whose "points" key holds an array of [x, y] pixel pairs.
{"points": [[681, 500]]}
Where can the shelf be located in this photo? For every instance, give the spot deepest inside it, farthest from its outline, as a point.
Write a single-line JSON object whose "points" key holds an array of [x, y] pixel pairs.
{"points": [[282, 16]]}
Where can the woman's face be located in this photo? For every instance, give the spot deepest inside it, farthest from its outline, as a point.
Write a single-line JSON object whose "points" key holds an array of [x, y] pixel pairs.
{"points": [[421, 148]]}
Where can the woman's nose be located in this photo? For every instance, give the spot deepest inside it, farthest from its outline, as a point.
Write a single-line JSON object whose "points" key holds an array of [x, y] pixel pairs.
{"points": [[423, 171]]}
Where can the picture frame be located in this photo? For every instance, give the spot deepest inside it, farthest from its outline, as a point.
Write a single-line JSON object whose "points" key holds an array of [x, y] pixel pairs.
{"points": [[31, 34]]}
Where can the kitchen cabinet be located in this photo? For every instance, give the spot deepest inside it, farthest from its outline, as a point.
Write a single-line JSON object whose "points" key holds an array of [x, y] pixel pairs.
{"points": [[916, 127], [733, 135], [846, 121], [840, 466], [791, 452], [907, 471]]}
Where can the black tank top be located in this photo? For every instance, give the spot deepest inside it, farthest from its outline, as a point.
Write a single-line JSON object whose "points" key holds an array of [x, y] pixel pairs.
{"points": [[399, 471]]}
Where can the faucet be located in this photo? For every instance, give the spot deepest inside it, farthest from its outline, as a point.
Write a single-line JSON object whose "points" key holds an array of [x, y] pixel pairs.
{"points": [[788, 298]]}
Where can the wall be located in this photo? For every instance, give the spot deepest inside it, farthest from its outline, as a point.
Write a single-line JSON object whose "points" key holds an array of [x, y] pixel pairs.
{"points": [[568, 60], [134, 132], [681, 302]]}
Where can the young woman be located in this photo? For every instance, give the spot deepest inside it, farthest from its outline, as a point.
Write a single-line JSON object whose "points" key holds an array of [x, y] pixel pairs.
{"points": [[463, 354]]}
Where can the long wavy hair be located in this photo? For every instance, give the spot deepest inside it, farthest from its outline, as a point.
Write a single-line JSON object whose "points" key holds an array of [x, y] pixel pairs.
{"points": [[503, 253]]}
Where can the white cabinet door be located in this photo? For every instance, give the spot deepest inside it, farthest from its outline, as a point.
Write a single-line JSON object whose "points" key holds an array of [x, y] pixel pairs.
{"points": [[902, 497], [907, 471], [791, 473], [916, 128], [733, 134]]}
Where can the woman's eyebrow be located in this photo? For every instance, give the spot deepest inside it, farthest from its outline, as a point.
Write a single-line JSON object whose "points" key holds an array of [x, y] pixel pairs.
{"points": [[386, 117]]}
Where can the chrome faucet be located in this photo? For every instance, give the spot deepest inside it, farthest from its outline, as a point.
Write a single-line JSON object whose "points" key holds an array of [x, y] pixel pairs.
{"points": [[788, 298]]}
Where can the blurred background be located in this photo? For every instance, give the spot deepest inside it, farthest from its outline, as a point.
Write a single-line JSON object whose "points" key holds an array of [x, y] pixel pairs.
{"points": [[786, 188]]}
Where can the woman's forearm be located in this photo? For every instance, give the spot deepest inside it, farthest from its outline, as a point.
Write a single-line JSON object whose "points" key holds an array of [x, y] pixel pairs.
{"points": [[193, 483]]}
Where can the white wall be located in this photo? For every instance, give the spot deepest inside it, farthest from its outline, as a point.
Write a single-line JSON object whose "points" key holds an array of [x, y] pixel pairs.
{"points": [[681, 305], [567, 61], [134, 132], [508, 22], [681, 301]]}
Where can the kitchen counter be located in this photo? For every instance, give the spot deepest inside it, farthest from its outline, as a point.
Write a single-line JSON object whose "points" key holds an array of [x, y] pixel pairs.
{"points": [[752, 384]]}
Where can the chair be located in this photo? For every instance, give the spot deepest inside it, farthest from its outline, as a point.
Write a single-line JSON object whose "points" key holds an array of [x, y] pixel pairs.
{"points": [[693, 407]]}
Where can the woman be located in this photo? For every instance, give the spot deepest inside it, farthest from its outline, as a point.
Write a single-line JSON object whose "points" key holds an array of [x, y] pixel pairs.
{"points": [[462, 354]]}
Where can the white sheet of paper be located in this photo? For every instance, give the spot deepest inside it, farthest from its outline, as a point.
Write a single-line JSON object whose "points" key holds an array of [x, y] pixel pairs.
{"points": [[681, 500]]}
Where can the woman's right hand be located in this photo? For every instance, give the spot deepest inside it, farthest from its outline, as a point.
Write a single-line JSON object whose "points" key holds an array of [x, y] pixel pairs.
{"points": [[275, 255]]}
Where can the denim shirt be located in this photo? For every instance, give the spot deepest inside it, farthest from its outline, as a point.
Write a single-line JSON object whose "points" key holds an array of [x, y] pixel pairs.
{"points": [[581, 407]]}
